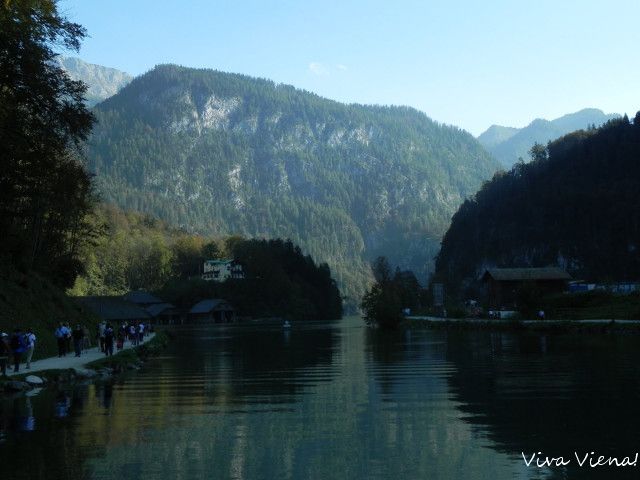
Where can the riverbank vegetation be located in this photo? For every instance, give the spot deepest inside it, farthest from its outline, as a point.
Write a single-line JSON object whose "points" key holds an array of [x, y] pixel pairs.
{"points": [[137, 251], [280, 281], [390, 295]]}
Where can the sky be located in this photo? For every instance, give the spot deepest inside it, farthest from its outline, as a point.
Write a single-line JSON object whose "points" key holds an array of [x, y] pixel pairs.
{"points": [[465, 63]]}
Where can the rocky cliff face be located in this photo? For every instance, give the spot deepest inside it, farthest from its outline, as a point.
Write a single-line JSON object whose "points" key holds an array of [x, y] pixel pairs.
{"points": [[220, 153], [103, 82]]}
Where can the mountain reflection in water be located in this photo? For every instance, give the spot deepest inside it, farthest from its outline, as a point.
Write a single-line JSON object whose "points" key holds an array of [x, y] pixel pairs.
{"points": [[337, 400]]}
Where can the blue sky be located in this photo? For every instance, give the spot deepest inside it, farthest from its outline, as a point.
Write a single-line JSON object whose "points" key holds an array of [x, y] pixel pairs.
{"points": [[466, 63]]}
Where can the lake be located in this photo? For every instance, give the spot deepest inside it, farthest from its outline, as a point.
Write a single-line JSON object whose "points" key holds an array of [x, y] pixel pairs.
{"points": [[339, 400]]}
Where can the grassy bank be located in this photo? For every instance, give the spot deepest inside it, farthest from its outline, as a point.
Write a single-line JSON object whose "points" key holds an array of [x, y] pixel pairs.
{"points": [[593, 305], [31, 301], [121, 360]]}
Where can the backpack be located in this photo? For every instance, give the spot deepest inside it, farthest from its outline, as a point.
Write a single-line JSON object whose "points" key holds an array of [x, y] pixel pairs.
{"points": [[16, 344]]}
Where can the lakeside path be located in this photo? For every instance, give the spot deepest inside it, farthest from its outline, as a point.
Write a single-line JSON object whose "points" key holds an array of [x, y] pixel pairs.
{"points": [[70, 361], [524, 322]]}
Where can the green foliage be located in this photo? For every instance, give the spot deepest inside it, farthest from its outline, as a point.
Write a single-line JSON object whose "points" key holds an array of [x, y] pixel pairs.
{"points": [[280, 281], [137, 251], [221, 154], [575, 205], [32, 301], [45, 191], [383, 303], [382, 306]]}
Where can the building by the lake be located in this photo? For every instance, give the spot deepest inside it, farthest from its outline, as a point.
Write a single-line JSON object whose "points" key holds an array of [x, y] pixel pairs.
{"points": [[213, 310], [503, 284], [221, 270]]}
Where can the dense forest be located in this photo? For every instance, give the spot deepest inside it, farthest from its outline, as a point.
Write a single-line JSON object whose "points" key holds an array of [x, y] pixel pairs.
{"points": [[137, 251], [218, 154], [45, 190], [279, 281], [575, 205], [46, 193]]}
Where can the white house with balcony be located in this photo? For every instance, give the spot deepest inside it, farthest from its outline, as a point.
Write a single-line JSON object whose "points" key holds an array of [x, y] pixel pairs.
{"points": [[221, 270]]}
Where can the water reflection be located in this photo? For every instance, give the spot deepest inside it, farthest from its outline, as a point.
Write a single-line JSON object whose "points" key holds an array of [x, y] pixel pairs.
{"points": [[552, 393], [333, 401]]}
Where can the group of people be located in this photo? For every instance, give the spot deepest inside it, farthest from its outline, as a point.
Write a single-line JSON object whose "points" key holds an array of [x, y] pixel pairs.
{"points": [[16, 347], [107, 335], [65, 335], [20, 345]]}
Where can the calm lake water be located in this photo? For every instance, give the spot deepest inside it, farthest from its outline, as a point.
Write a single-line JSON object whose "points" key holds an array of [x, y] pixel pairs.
{"points": [[338, 400]]}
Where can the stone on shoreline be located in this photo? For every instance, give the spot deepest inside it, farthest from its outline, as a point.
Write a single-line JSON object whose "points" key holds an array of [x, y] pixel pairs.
{"points": [[34, 380], [84, 372]]}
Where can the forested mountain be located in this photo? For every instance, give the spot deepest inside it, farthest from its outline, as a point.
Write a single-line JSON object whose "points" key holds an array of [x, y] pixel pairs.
{"points": [[496, 134], [575, 205], [221, 153], [509, 144], [102, 82]]}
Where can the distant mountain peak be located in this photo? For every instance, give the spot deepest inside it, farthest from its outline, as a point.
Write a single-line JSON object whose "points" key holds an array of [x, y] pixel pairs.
{"points": [[103, 82], [508, 144]]}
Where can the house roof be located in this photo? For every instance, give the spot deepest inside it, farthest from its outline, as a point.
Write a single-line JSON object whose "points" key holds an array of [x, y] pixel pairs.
{"points": [[519, 274], [209, 305], [218, 262], [113, 308], [141, 297], [159, 308]]}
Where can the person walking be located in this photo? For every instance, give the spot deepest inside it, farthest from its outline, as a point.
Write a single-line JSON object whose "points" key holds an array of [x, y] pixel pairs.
{"points": [[30, 341], [141, 332], [101, 328], [108, 340], [133, 335], [17, 347], [5, 352], [61, 338], [78, 335]]}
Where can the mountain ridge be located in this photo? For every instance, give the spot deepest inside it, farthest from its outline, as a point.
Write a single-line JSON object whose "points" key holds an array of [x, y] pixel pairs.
{"points": [[102, 82], [574, 207], [508, 144], [222, 153]]}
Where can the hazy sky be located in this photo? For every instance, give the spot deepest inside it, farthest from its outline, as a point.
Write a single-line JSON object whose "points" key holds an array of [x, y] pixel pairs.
{"points": [[466, 63]]}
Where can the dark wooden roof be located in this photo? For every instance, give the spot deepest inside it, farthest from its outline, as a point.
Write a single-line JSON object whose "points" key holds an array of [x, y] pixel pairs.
{"points": [[211, 305], [113, 308], [161, 309], [523, 274], [141, 297]]}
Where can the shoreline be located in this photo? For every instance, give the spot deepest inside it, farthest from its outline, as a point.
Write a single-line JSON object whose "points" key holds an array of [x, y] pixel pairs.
{"points": [[547, 326], [96, 366]]}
